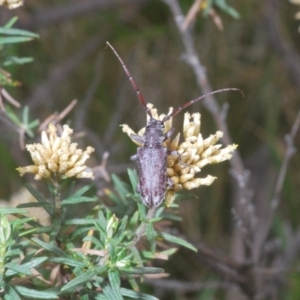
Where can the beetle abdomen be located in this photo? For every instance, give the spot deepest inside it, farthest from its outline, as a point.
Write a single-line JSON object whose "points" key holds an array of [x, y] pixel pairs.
{"points": [[152, 165]]}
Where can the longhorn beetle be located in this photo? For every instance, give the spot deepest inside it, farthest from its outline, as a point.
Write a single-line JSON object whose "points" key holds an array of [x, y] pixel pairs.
{"points": [[152, 156]]}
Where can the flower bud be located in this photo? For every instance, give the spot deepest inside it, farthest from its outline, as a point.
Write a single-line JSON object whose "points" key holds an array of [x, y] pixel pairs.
{"points": [[111, 226]]}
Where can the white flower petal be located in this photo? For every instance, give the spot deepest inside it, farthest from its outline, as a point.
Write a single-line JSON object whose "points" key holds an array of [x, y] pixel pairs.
{"points": [[45, 142]]}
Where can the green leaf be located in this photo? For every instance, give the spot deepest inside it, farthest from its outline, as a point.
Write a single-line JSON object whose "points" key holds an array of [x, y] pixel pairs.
{"points": [[154, 220], [70, 187], [176, 240], [67, 261], [114, 279], [84, 277], [15, 39], [159, 211], [23, 220], [135, 295], [34, 294], [11, 22], [227, 8], [134, 219], [14, 60], [73, 200], [108, 291], [137, 256], [17, 223], [122, 253], [24, 268], [11, 294], [112, 252], [171, 217], [15, 31], [35, 193], [8, 210], [101, 297], [81, 191], [36, 230], [121, 187], [143, 270], [133, 283], [120, 237], [35, 204], [151, 255], [102, 220], [135, 197], [79, 280], [25, 114], [14, 269], [11, 114], [55, 228], [33, 124], [207, 8], [133, 178], [142, 210], [50, 247], [123, 224], [151, 236], [80, 222], [98, 244], [79, 232], [13, 253]]}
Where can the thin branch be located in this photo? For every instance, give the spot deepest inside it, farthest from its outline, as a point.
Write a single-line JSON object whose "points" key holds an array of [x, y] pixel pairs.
{"points": [[290, 150], [9, 98], [66, 111], [225, 266], [100, 170], [55, 118], [192, 13], [19, 129]]}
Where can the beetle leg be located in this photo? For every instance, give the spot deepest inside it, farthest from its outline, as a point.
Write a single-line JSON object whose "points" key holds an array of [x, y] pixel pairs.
{"points": [[168, 134], [173, 152], [176, 153], [134, 157], [138, 189], [169, 182], [138, 139]]}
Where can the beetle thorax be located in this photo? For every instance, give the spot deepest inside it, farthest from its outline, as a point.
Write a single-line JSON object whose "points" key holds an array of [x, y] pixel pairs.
{"points": [[154, 134]]}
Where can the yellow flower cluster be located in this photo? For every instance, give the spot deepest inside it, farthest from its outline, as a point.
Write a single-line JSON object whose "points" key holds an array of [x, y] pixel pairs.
{"points": [[57, 156], [195, 153], [11, 4], [192, 154]]}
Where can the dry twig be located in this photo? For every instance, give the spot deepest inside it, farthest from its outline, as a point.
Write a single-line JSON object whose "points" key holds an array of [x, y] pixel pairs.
{"points": [[290, 150]]}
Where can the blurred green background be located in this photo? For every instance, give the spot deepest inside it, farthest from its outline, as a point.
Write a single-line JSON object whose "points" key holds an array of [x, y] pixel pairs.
{"points": [[258, 53]]}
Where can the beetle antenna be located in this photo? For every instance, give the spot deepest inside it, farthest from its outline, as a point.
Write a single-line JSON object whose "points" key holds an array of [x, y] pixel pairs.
{"points": [[185, 105], [132, 81]]}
